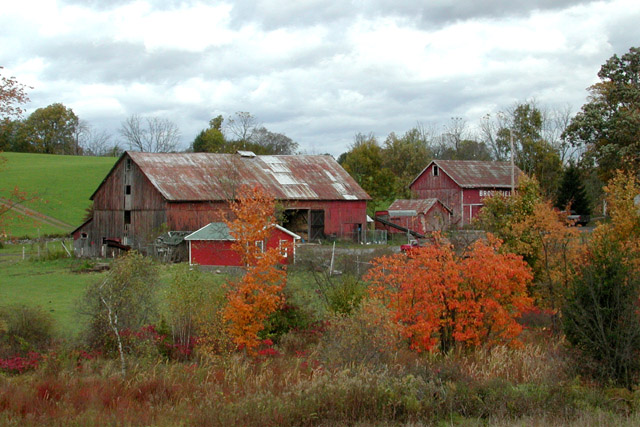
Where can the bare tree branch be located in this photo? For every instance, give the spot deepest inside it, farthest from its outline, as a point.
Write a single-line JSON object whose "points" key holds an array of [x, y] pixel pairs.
{"points": [[150, 134]]}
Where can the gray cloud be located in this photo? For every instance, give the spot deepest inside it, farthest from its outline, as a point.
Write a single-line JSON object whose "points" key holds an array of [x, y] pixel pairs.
{"points": [[323, 71], [272, 14]]}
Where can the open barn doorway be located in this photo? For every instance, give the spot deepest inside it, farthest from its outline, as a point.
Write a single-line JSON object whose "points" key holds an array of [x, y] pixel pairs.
{"points": [[306, 223]]}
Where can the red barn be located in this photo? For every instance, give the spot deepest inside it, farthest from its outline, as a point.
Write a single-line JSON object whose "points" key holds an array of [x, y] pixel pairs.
{"points": [[145, 194], [211, 245], [463, 184], [419, 215]]}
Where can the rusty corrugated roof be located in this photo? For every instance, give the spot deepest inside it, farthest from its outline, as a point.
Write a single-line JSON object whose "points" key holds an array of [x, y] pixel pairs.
{"points": [[417, 205], [213, 176], [476, 173]]}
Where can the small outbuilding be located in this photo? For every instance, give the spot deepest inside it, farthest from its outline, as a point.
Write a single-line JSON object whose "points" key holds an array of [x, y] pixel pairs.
{"points": [[418, 215], [212, 245]]}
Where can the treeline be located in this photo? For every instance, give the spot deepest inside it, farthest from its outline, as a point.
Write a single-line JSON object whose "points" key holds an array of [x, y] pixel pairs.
{"points": [[56, 129], [540, 149], [571, 157]]}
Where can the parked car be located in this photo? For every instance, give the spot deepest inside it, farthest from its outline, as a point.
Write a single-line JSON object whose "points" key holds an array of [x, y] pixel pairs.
{"points": [[411, 245], [577, 219]]}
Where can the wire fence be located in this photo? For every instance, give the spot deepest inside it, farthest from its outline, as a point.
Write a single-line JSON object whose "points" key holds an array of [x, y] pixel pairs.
{"points": [[39, 249], [368, 237]]}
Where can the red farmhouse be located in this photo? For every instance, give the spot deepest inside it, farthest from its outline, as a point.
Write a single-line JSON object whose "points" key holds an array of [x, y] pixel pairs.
{"points": [[211, 245], [419, 215], [147, 193], [463, 184]]}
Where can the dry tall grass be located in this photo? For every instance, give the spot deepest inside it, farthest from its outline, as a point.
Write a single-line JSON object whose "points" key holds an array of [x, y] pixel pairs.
{"points": [[501, 386]]}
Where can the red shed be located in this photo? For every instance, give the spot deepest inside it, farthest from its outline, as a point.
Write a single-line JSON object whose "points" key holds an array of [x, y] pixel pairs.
{"points": [[463, 184], [211, 245], [419, 215], [145, 194]]}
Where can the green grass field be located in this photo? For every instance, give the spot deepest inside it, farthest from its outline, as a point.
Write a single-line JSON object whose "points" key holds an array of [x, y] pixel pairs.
{"points": [[63, 185], [50, 285], [55, 287]]}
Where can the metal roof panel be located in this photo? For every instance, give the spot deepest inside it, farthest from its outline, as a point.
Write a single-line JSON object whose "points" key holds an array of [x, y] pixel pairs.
{"points": [[476, 173], [213, 176]]}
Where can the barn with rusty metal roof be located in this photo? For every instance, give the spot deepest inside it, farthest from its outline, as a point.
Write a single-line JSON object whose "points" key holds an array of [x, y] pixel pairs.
{"points": [[462, 185], [146, 194]]}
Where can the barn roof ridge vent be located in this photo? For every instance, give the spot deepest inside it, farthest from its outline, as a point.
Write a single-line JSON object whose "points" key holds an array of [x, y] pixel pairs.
{"points": [[249, 154]]}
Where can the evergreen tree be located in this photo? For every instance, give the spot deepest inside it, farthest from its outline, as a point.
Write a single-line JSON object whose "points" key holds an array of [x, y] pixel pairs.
{"points": [[572, 191]]}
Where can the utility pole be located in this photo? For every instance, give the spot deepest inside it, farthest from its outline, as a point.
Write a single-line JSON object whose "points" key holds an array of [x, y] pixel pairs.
{"points": [[513, 181]]}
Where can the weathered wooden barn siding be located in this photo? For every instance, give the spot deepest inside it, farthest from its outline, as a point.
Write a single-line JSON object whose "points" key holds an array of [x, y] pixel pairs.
{"points": [[148, 208], [145, 205], [110, 194], [437, 219], [440, 187], [191, 216]]}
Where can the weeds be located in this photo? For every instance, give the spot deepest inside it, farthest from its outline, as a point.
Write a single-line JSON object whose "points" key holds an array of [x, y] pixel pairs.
{"points": [[292, 389]]}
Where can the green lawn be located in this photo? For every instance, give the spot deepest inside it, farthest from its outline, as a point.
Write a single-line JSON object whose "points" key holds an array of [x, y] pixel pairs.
{"points": [[47, 284], [63, 185], [19, 226], [53, 285]]}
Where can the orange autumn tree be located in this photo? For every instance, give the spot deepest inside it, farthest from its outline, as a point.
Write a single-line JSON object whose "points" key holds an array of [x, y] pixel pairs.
{"points": [[440, 298], [253, 298]]}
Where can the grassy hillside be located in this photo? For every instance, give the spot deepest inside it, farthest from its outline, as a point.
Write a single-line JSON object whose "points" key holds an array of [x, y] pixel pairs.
{"points": [[63, 185]]}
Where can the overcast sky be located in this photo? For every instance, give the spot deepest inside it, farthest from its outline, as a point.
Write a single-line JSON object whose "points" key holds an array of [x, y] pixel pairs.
{"points": [[319, 71]]}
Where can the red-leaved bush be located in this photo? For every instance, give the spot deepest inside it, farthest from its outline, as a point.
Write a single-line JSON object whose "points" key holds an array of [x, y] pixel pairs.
{"points": [[20, 364]]}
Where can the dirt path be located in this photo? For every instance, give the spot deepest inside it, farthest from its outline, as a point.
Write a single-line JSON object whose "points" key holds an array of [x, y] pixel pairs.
{"points": [[23, 210]]}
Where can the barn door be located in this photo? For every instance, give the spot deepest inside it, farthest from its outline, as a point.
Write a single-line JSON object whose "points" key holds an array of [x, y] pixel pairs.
{"points": [[316, 225]]}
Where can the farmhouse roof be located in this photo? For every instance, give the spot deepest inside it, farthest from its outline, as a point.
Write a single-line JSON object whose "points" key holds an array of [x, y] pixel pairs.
{"points": [[220, 231], [476, 173], [413, 206], [215, 176]]}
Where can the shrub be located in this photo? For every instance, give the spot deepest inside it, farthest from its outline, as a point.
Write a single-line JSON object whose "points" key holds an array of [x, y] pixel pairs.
{"points": [[124, 299], [340, 294], [369, 335], [24, 329], [288, 317], [601, 317], [601, 314], [188, 291]]}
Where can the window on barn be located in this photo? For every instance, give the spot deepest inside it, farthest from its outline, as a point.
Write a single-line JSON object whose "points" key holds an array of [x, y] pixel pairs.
{"points": [[435, 170], [127, 165], [260, 244], [127, 217], [127, 189]]}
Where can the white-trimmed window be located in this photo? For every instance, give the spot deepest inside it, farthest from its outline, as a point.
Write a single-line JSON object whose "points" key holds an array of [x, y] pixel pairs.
{"points": [[283, 245], [435, 170], [260, 244]]}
